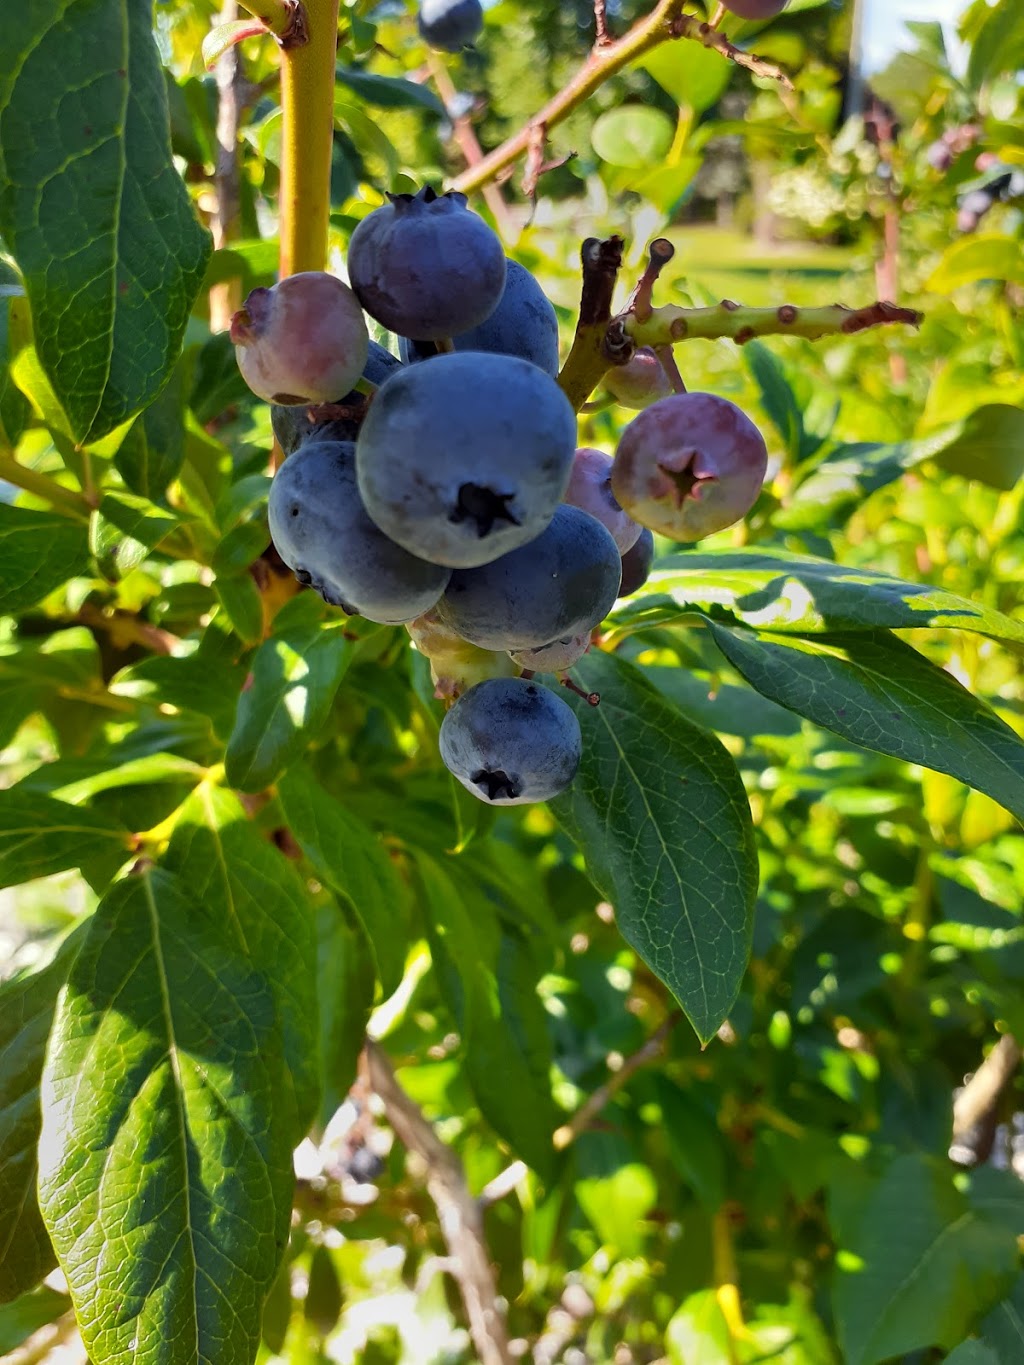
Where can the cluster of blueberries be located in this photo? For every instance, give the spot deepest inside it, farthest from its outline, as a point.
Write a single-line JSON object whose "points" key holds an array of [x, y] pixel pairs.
{"points": [[444, 490]]}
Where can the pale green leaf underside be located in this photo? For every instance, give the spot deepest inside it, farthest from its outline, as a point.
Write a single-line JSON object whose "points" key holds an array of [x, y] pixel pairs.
{"points": [[165, 1159], [660, 814]]}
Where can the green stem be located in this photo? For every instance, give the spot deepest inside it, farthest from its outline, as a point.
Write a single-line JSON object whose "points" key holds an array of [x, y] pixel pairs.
{"points": [[671, 323], [284, 18], [307, 105], [63, 500]]}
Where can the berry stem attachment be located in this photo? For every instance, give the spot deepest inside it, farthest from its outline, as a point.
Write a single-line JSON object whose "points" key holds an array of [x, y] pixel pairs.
{"points": [[307, 104], [285, 19]]}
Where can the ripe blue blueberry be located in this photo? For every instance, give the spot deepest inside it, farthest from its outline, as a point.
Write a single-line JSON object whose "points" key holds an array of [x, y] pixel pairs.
{"points": [[425, 266], [523, 324], [510, 741], [321, 531], [292, 426], [450, 25], [466, 456], [559, 585], [636, 564]]}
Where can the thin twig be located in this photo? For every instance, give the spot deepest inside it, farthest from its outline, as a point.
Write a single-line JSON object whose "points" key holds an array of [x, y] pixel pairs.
{"points": [[465, 136], [124, 629], [63, 500], [601, 35], [593, 1104], [664, 24], [672, 323], [977, 1101], [587, 361], [458, 1213], [226, 297]]}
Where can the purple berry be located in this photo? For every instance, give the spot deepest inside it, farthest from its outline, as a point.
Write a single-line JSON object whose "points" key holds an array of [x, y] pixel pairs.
{"points": [[450, 25], [424, 266], [637, 564], [293, 426], [302, 341], [555, 657], [640, 382], [690, 465], [590, 488]]}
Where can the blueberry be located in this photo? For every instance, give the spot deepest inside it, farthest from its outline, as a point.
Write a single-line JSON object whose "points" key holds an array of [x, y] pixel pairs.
{"points": [[637, 564], [559, 585], [302, 341], [640, 382], [450, 25], [690, 465], [590, 488], [523, 324], [292, 426], [425, 266], [466, 456], [321, 531], [510, 741]]}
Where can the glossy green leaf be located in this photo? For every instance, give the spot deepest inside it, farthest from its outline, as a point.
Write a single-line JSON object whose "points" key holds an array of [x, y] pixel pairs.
{"points": [[659, 812], [698, 1333], [632, 135], [240, 599], [93, 209], [348, 856], [999, 45], [614, 1190], [207, 681], [124, 528], [1003, 1328], [40, 836], [918, 1264], [694, 76], [165, 1161], [773, 590], [777, 396], [251, 889], [295, 675], [39, 552], [26, 1013], [346, 978], [39, 675], [972, 1353], [488, 984], [873, 689], [13, 404]]}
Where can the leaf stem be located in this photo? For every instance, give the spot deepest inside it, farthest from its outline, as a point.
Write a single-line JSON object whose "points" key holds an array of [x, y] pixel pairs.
{"points": [[63, 500], [307, 104]]}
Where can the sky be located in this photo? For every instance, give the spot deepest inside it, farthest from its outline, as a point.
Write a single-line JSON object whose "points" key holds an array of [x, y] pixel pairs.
{"points": [[884, 33]]}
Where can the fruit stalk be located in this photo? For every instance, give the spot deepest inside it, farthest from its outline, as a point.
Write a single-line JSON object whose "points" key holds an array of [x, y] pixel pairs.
{"points": [[307, 108]]}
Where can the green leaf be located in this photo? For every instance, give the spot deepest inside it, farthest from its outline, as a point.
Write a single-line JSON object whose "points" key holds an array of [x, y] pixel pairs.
{"points": [[661, 817], [346, 978], [39, 675], [207, 681], [1003, 1329], [489, 983], [981, 256], [26, 1014], [40, 836], [972, 1353], [251, 889], [999, 44], [295, 675], [777, 396], [614, 1190], [18, 1320], [694, 1142], [124, 528], [632, 135], [165, 1161], [851, 473], [14, 408], [388, 92], [918, 1265], [348, 856], [93, 210], [39, 551], [152, 452], [240, 598], [987, 445], [873, 689], [698, 1333], [773, 590], [694, 76]]}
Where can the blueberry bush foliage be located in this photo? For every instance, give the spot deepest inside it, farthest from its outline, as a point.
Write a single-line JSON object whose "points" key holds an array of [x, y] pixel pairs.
{"points": [[311, 1049]]}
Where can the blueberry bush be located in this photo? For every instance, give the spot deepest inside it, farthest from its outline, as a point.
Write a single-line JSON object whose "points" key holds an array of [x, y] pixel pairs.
{"points": [[510, 689]]}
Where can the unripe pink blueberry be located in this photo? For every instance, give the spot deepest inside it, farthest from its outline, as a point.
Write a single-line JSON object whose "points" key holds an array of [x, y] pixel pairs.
{"points": [[640, 382], [690, 465], [555, 657], [590, 489], [302, 341]]}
